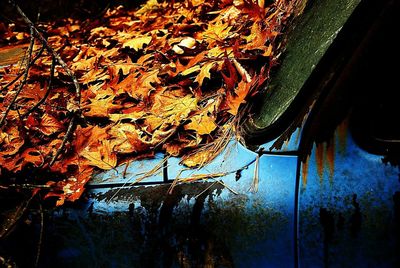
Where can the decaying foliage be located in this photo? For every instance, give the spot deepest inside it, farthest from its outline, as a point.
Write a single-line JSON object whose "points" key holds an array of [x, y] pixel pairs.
{"points": [[173, 76]]}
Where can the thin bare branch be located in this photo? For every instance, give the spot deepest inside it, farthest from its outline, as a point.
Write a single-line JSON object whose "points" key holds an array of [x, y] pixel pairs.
{"points": [[44, 42], [43, 99], [21, 86], [64, 141]]}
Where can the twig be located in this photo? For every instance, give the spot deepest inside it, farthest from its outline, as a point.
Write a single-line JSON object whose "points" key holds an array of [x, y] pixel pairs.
{"points": [[43, 40], [126, 169], [18, 214], [206, 189], [21, 73], [149, 173], [35, 32], [40, 234], [42, 100], [21, 86], [64, 141], [254, 185], [227, 187], [28, 186]]}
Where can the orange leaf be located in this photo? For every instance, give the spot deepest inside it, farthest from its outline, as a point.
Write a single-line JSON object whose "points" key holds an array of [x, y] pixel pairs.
{"points": [[10, 141], [102, 156], [202, 124], [49, 125], [233, 101], [33, 156]]}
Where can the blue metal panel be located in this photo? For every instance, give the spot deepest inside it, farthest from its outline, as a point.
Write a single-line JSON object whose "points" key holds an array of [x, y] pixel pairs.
{"points": [[291, 144], [129, 173], [226, 225], [347, 214]]}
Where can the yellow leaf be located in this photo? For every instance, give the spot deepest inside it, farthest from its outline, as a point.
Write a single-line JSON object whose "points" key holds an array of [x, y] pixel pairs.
{"points": [[242, 71], [101, 106], [138, 42], [191, 70], [202, 124], [102, 156], [218, 52], [180, 108], [132, 116], [188, 42], [204, 72], [177, 49], [198, 158], [126, 139]]}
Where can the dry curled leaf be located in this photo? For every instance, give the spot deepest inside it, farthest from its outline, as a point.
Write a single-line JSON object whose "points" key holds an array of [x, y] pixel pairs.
{"points": [[169, 76]]}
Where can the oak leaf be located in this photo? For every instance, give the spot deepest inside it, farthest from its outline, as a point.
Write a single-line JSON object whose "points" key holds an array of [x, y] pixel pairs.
{"points": [[235, 100], [204, 72]]}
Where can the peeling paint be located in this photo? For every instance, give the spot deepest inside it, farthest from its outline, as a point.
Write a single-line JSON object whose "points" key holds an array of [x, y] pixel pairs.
{"points": [[341, 131], [330, 158], [319, 159], [304, 171]]}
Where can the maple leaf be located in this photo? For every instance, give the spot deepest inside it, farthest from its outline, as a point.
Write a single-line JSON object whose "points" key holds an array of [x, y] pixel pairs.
{"points": [[102, 156], [202, 124]]}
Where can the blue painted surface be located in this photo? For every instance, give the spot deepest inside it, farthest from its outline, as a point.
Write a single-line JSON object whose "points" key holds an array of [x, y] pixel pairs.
{"points": [[133, 171], [265, 217], [346, 218]]}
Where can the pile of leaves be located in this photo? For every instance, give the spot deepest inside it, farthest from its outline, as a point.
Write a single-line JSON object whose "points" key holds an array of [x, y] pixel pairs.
{"points": [[170, 76]]}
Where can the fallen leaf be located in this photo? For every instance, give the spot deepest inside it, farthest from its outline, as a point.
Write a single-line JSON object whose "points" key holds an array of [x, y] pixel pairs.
{"points": [[204, 72], [102, 156], [49, 125], [202, 124], [235, 100], [138, 42]]}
